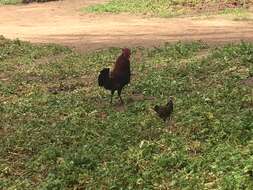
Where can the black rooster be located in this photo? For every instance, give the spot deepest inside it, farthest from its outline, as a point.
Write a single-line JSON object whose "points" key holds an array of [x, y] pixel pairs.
{"points": [[119, 76]]}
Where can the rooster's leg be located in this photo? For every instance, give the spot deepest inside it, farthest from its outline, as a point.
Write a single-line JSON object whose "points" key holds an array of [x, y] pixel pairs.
{"points": [[119, 94], [112, 92]]}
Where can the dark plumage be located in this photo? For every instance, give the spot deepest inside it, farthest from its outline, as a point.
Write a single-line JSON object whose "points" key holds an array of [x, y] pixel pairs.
{"points": [[165, 111], [118, 77]]}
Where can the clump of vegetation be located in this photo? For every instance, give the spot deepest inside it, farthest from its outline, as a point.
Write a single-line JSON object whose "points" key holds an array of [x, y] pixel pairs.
{"points": [[168, 8], [7, 2], [58, 130]]}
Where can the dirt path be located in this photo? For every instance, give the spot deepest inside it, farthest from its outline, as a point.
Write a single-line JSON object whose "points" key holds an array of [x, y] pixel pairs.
{"points": [[61, 22]]}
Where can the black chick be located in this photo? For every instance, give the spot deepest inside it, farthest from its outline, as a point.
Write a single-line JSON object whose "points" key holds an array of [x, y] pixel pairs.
{"points": [[165, 112]]}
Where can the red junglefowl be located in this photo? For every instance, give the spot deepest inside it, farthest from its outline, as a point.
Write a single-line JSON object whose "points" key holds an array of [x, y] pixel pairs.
{"points": [[119, 76], [165, 111]]}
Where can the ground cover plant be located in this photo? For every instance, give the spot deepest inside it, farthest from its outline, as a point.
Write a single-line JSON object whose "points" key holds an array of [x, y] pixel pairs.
{"points": [[8, 2], [168, 8], [58, 130]]}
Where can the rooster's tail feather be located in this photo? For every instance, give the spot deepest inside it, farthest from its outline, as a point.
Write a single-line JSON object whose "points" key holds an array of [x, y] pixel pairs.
{"points": [[103, 76]]}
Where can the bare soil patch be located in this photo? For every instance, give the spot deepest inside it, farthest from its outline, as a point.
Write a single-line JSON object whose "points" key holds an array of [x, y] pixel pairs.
{"points": [[3, 131], [212, 7], [248, 81], [61, 22], [65, 87]]}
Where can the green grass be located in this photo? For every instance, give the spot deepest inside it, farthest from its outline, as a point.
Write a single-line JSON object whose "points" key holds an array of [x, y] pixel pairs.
{"points": [[238, 14], [58, 130], [8, 2], [165, 8]]}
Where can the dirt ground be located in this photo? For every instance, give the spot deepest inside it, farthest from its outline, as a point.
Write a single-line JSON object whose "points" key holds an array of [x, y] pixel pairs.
{"points": [[62, 22]]}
